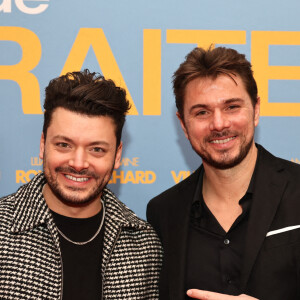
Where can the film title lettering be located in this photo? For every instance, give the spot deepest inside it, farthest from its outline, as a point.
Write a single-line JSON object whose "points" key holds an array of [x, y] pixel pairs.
{"points": [[95, 39], [135, 177]]}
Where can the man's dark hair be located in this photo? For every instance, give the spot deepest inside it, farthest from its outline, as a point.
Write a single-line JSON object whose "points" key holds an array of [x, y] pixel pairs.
{"points": [[88, 94], [210, 64]]}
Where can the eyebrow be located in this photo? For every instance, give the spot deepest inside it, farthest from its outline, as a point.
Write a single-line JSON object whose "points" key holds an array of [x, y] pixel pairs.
{"points": [[231, 100], [227, 101], [66, 139]]}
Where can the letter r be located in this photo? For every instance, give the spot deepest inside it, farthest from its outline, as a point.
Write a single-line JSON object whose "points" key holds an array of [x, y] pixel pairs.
{"points": [[20, 72]]}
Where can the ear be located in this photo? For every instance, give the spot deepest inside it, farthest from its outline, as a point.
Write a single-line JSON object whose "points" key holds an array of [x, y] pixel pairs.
{"points": [[42, 146], [257, 111], [118, 156], [182, 125]]}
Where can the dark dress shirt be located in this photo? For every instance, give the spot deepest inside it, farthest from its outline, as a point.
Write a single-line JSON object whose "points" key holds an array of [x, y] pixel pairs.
{"points": [[214, 256]]}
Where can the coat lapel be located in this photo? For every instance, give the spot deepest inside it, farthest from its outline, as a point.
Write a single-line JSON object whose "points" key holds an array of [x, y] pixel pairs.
{"points": [[270, 183], [178, 223], [117, 216]]}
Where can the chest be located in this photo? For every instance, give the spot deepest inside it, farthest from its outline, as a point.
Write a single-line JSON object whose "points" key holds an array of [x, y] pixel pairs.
{"points": [[30, 265]]}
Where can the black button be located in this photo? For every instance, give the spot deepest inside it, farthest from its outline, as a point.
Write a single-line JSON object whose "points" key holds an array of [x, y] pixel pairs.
{"points": [[226, 242]]}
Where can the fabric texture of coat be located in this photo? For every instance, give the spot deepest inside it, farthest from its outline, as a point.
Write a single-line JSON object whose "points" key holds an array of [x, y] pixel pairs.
{"points": [[271, 262], [30, 259]]}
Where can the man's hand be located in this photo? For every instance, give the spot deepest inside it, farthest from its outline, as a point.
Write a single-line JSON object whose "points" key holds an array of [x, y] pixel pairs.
{"points": [[206, 295]]}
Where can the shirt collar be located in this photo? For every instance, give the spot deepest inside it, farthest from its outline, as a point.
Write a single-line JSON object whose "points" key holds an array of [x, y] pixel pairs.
{"points": [[31, 209], [198, 192]]}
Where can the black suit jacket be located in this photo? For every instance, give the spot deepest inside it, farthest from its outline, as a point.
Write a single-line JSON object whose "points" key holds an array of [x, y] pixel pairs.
{"points": [[271, 264]]}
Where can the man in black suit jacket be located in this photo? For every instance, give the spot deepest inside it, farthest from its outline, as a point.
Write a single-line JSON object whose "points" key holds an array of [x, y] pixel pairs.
{"points": [[233, 226]]}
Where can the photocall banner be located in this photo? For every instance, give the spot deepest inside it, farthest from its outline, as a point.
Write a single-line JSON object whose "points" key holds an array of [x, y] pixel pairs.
{"points": [[139, 44]]}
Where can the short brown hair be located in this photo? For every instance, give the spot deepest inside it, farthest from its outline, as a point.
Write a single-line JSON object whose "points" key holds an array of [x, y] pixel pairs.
{"points": [[212, 63], [86, 93]]}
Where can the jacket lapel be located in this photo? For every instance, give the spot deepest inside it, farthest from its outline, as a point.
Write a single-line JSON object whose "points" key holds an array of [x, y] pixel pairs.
{"points": [[116, 218], [178, 223], [31, 209], [270, 183]]}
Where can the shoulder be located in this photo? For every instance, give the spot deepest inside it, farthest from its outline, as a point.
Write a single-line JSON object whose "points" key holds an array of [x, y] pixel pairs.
{"points": [[139, 233], [7, 204], [7, 208], [268, 160], [291, 167], [120, 214], [280, 175], [165, 198], [7, 199]]}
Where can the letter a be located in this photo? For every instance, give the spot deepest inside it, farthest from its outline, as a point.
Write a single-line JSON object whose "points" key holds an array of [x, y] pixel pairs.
{"points": [[95, 37]]}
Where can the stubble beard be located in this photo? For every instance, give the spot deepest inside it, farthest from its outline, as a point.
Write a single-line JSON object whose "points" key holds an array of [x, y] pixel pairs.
{"points": [[225, 162], [73, 198]]}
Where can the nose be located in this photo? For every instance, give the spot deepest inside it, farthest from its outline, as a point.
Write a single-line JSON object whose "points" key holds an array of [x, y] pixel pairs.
{"points": [[78, 161], [219, 121]]}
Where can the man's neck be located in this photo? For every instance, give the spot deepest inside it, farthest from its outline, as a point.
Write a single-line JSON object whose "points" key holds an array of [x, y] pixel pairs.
{"points": [[230, 184], [73, 211], [222, 189]]}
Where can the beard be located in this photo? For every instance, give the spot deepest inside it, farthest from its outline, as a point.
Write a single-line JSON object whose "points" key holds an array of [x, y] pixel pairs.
{"points": [[225, 162], [72, 195]]}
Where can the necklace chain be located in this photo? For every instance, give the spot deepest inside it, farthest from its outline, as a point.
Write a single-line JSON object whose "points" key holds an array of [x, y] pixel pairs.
{"points": [[92, 238]]}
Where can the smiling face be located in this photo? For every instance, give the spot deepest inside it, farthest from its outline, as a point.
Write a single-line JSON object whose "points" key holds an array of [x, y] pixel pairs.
{"points": [[79, 155], [219, 120]]}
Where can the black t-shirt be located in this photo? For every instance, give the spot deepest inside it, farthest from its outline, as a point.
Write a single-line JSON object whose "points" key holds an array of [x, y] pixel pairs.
{"points": [[81, 263]]}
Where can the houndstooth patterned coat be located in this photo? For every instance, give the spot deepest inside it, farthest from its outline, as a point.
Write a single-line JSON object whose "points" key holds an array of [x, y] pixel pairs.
{"points": [[30, 260]]}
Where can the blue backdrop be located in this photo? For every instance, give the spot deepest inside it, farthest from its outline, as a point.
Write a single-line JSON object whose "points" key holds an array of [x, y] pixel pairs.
{"points": [[140, 44]]}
